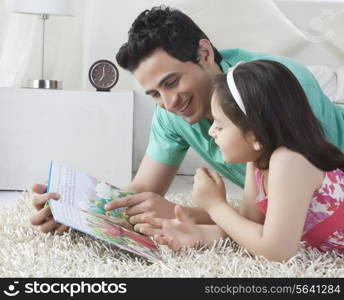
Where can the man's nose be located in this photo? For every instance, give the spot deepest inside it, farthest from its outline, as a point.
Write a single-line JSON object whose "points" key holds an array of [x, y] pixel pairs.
{"points": [[169, 101]]}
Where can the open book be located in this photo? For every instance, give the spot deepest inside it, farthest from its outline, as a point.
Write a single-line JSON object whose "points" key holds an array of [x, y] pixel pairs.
{"points": [[81, 206]]}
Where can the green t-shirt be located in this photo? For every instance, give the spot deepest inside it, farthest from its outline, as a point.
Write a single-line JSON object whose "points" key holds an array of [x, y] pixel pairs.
{"points": [[171, 136]]}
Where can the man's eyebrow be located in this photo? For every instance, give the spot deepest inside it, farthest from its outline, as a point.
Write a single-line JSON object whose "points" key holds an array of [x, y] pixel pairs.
{"points": [[161, 82]]}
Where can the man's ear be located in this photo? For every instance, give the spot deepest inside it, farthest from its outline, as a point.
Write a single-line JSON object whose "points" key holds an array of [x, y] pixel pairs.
{"points": [[205, 52]]}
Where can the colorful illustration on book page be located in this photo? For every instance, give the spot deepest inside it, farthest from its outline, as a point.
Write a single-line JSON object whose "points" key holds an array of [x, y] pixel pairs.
{"points": [[103, 194], [128, 240]]}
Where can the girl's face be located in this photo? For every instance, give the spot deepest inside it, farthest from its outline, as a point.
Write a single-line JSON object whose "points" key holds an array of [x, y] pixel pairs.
{"points": [[234, 146]]}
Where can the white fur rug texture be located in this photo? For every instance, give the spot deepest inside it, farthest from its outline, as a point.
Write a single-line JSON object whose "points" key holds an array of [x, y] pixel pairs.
{"points": [[26, 252]]}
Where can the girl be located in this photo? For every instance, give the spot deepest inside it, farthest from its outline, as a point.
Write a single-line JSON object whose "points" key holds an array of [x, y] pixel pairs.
{"points": [[294, 188]]}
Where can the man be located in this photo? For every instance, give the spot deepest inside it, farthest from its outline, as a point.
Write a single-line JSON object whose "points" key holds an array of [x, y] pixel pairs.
{"points": [[175, 63]]}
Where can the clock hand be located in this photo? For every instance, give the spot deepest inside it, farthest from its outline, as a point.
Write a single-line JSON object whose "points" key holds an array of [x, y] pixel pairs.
{"points": [[103, 74]]}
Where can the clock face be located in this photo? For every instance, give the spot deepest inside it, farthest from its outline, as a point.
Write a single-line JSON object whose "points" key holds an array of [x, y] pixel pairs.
{"points": [[103, 75]]}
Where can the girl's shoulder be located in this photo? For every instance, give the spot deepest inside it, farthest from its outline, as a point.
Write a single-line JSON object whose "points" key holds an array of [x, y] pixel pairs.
{"points": [[291, 163], [285, 156]]}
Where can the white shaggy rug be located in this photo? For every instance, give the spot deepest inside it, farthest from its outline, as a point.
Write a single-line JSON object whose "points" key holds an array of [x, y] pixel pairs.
{"points": [[26, 252]]}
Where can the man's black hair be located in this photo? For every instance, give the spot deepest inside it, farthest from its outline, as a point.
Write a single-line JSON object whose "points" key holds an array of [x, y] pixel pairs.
{"points": [[165, 28]]}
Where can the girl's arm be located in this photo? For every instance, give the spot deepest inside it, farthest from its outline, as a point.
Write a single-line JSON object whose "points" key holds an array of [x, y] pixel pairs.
{"points": [[292, 181], [182, 231], [248, 207]]}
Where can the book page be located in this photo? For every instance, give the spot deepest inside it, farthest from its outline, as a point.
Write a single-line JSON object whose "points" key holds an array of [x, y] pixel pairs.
{"points": [[104, 229], [82, 191]]}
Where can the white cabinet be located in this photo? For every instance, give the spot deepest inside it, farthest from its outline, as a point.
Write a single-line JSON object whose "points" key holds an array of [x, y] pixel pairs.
{"points": [[91, 131]]}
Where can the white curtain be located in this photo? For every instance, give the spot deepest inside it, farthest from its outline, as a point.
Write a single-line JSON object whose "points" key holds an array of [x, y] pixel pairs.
{"points": [[66, 42], [100, 27], [16, 41]]}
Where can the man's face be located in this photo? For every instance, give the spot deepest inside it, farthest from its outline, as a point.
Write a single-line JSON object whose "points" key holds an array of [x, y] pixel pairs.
{"points": [[182, 88]]}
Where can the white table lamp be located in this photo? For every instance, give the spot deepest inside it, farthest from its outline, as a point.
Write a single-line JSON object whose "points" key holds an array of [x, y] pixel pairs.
{"points": [[44, 8]]}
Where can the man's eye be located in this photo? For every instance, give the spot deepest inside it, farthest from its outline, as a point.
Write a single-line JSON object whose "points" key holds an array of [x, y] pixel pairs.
{"points": [[155, 95], [171, 83]]}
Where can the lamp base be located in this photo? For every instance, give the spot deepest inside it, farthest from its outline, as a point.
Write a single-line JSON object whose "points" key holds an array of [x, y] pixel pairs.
{"points": [[44, 84]]}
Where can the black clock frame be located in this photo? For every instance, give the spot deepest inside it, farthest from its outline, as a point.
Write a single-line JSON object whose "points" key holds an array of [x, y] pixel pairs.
{"points": [[101, 89]]}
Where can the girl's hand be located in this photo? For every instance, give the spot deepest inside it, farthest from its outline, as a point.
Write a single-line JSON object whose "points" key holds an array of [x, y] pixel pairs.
{"points": [[175, 233], [208, 190]]}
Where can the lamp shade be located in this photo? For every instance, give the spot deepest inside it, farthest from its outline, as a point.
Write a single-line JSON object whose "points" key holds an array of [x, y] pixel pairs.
{"points": [[49, 7]]}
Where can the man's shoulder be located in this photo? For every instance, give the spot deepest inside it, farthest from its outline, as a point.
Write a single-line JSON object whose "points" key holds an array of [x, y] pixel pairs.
{"points": [[232, 56], [237, 54]]}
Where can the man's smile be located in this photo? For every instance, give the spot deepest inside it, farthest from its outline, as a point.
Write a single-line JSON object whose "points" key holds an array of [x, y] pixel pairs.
{"points": [[186, 109]]}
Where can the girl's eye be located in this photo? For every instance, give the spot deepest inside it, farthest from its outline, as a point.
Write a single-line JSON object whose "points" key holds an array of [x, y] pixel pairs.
{"points": [[218, 128]]}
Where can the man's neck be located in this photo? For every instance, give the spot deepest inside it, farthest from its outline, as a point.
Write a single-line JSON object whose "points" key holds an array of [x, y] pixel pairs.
{"points": [[216, 71]]}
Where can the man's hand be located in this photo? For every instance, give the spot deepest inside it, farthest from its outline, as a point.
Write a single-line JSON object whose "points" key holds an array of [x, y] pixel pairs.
{"points": [[142, 205], [43, 217]]}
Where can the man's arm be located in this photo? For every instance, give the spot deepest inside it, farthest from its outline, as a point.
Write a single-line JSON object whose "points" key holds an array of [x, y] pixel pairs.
{"points": [[152, 176]]}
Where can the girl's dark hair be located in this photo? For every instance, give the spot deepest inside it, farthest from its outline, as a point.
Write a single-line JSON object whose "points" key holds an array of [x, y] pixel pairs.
{"points": [[277, 113], [166, 28]]}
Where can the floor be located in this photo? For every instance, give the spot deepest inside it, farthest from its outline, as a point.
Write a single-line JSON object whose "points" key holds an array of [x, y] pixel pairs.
{"points": [[180, 184], [8, 198]]}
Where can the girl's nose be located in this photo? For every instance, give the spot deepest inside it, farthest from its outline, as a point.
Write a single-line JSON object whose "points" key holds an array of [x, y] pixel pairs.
{"points": [[211, 131]]}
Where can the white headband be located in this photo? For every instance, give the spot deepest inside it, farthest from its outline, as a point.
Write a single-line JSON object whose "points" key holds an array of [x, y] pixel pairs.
{"points": [[232, 87]]}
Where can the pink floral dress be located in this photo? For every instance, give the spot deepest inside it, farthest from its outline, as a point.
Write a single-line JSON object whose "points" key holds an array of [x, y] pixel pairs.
{"points": [[324, 225]]}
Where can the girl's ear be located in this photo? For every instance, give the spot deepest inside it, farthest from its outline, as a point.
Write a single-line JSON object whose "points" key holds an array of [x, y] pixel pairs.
{"points": [[250, 137], [257, 146]]}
